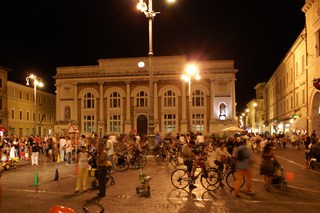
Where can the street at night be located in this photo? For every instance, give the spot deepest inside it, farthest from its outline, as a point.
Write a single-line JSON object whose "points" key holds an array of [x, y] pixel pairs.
{"points": [[19, 194]]}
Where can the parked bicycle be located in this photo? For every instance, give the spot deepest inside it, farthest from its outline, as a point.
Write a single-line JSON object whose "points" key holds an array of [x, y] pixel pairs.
{"points": [[124, 160]]}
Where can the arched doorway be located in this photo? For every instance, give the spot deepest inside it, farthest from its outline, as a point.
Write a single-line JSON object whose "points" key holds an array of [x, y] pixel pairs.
{"points": [[142, 125]]}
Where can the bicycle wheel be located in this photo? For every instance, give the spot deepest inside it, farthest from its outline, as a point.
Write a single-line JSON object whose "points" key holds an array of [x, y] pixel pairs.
{"points": [[231, 179], [180, 178], [161, 158], [140, 161], [210, 181], [121, 164], [174, 161]]}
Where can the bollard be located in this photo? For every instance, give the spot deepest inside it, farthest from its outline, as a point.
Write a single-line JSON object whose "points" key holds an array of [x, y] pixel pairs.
{"points": [[36, 179], [56, 177]]}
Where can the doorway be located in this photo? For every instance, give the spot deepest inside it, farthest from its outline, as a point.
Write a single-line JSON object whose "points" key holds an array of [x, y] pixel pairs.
{"points": [[142, 125]]}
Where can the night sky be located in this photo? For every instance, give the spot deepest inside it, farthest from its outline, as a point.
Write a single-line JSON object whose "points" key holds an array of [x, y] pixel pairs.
{"points": [[39, 35]]}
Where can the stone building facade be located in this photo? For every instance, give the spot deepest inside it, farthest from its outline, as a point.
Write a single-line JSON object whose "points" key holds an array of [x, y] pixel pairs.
{"points": [[112, 97], [18, 113], [292, 102]]}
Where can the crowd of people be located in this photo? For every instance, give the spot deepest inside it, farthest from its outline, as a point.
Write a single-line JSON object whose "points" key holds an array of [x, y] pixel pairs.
{"points": [[239, 147]]}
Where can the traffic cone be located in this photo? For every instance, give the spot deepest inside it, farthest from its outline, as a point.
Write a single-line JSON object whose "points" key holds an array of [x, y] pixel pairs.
{"points": [[56, 177], [36, 179], [58, 160]]}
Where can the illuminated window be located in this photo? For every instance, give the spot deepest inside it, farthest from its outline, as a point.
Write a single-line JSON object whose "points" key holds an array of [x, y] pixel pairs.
{"points": [[115, 123], [197, 122], [88, 123], [170, 122]]}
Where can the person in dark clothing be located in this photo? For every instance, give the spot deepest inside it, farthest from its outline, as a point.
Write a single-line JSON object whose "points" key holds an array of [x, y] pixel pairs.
{"points": [[102, 161]]}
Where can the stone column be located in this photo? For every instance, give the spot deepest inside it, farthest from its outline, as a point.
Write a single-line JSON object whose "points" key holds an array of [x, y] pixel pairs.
{"points": [[212, 95], [184, 126], [127, 123], [233, 96], [101, 122], [59, 116], [74, 110], [212, 108]]}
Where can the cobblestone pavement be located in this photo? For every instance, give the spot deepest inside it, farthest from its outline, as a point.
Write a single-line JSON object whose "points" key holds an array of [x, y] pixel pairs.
{"points": [[19, 194]]}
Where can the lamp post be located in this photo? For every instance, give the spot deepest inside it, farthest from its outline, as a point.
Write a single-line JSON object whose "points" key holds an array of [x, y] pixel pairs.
{"points": [[191, 71], [150, 14], [37, 81]]}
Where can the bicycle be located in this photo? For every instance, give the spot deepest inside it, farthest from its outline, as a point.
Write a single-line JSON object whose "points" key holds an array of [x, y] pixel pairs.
{"points": [[229, 174], [181, 178]]}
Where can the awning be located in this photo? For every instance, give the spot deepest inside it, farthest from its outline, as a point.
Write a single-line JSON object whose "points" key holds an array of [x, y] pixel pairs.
{"points": [[3, 129]]}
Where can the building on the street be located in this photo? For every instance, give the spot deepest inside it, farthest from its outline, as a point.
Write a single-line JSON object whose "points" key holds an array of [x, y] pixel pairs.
{"points": [[253, 117], [292, 101], [17, 109], [112, 97]]}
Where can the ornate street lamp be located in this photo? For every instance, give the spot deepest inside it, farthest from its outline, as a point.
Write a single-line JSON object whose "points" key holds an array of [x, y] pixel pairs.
{"points": [[150, 14], [37, 82]]}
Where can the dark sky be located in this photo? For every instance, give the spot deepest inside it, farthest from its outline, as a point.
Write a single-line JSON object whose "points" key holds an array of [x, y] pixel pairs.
{"points": [[36, 36]]}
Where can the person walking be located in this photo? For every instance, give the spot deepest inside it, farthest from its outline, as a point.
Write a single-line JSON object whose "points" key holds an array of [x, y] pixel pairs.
{"points": [[62, 147], [102, 161], [110, 152], [243, 165], [82, 179], [267, 166], [68, 150], [35, 153]]}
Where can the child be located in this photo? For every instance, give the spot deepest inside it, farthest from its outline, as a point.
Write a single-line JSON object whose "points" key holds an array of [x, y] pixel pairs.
{"points": [[22, 152]]}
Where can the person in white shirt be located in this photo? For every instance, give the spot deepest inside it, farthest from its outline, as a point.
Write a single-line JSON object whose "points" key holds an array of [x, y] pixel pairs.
{"points": [[62, 147], [110, 152], [222, 155]]}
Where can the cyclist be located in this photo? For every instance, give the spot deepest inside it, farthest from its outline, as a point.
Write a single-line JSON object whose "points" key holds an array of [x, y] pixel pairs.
{"points": [[188, 159], [222, 157]]}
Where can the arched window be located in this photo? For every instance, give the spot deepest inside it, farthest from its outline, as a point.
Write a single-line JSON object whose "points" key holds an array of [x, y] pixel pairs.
{"points": [[142, 99], [115, 99], [197, 98], [88, 101], [169, 99]]}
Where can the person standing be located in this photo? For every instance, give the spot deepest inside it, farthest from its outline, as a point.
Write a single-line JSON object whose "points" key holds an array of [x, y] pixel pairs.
{"points": [[110, 152], [82, 179], [267, 166], [68, 150], [102, 161], [243, 165], [35, 152], [62, 147]]}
